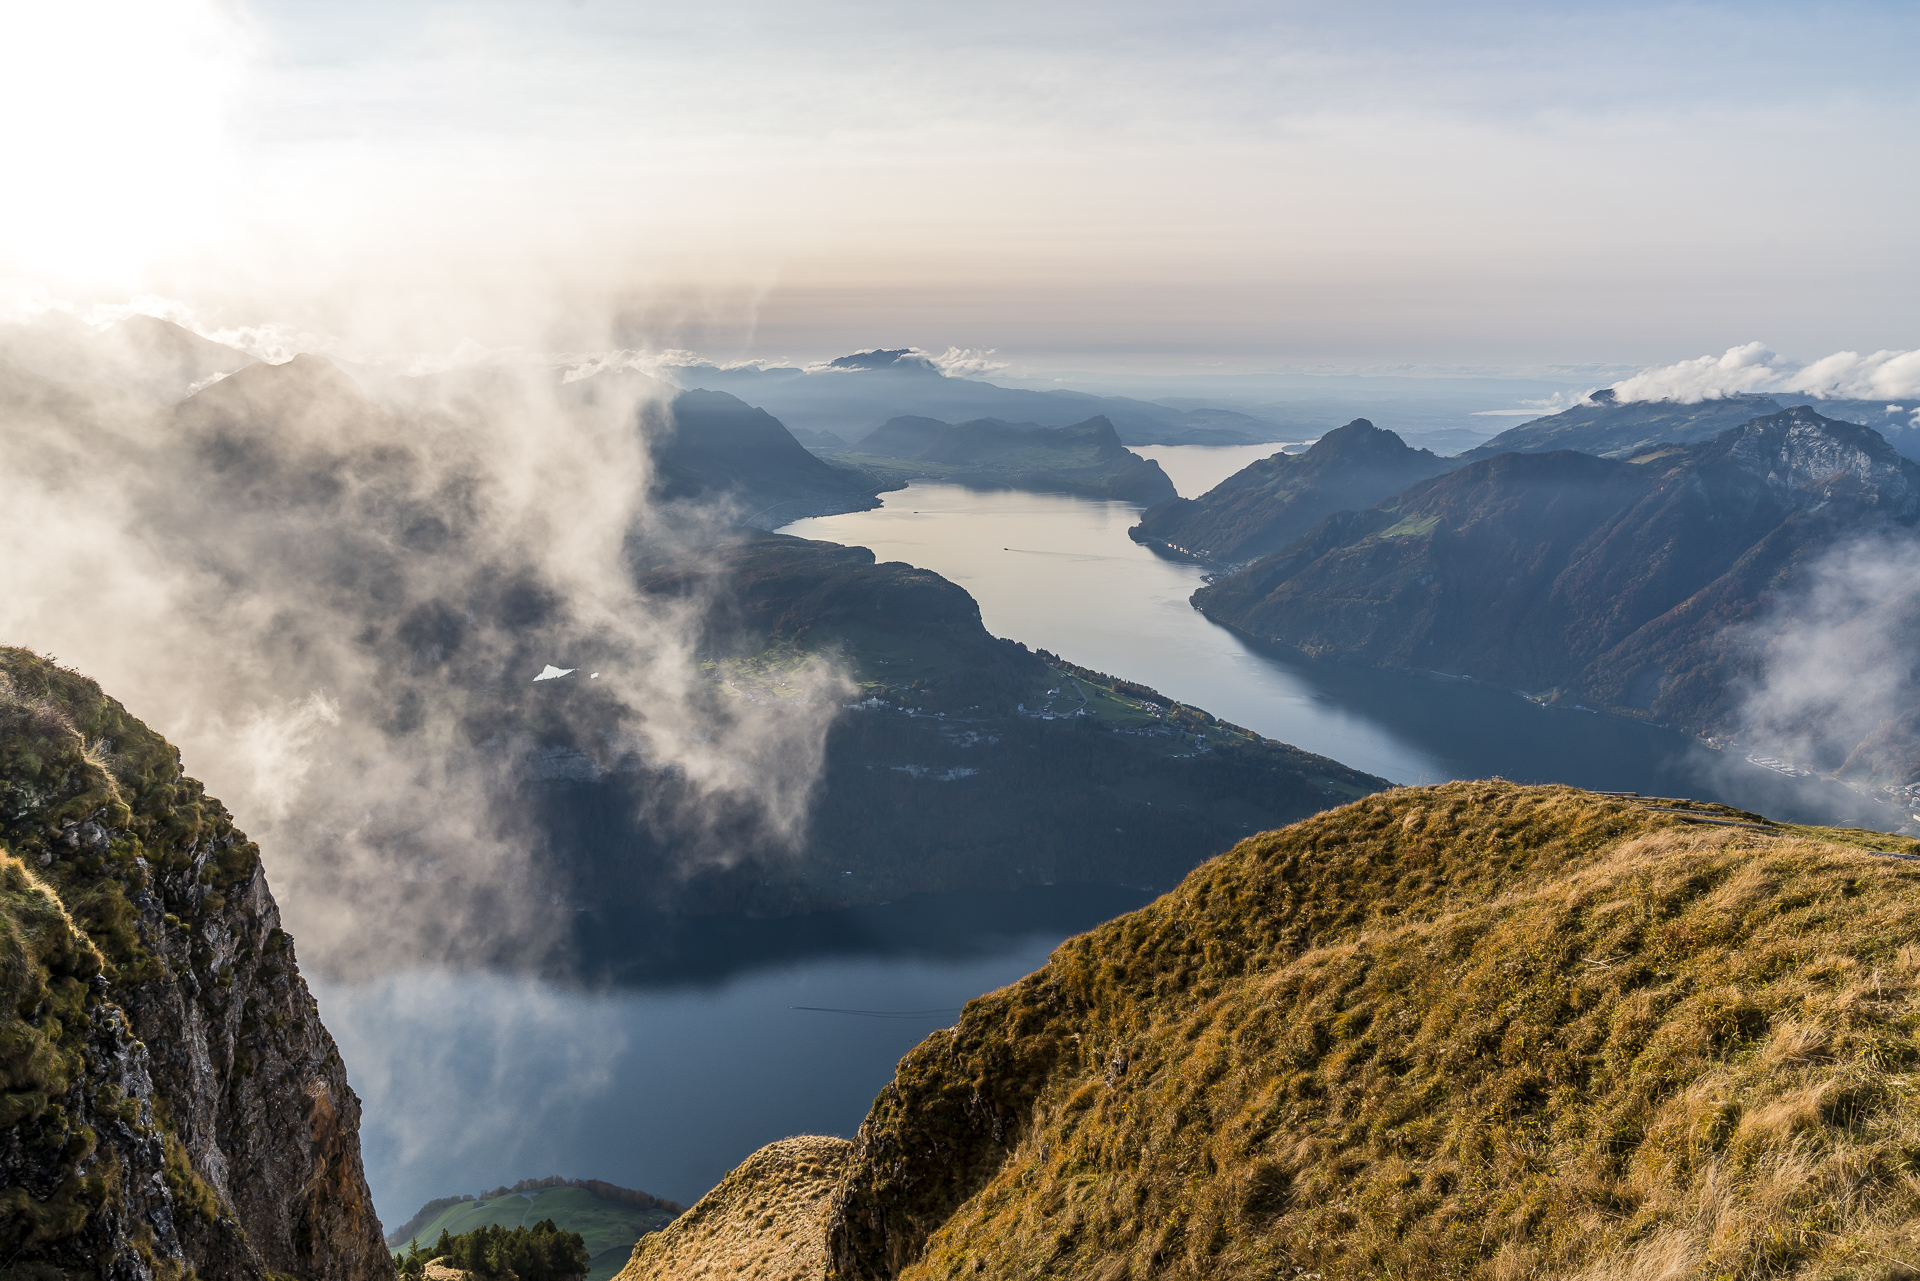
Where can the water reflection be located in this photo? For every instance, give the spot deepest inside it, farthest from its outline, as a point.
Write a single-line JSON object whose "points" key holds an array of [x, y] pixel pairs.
{"points": [[716, 1036]]}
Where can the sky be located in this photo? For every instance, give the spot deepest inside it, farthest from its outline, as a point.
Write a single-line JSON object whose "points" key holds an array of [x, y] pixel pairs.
{"points": [[1121, 186]]}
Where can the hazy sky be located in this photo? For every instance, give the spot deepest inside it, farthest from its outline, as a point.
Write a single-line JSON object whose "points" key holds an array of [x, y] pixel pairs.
{"points": [[1121, 184]]}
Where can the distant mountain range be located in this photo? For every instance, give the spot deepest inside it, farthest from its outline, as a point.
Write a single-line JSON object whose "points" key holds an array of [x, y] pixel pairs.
{"points": [[1620, 582], [1085, 458], [1268, 504], [854, 395], [1614, 428]]}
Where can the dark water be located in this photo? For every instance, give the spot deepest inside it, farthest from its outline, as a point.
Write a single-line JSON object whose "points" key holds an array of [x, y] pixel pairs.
{"points": [[666, 1078]]}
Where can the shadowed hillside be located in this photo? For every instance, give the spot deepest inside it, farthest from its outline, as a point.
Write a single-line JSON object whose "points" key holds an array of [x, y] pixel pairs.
{"points": [[958, 760], [1623, 583], [713, 444], [1085, 458], [1616, 429]]}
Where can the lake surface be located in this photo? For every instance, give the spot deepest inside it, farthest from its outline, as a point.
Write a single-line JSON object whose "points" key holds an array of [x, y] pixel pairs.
{"points": [[664, 1083]]}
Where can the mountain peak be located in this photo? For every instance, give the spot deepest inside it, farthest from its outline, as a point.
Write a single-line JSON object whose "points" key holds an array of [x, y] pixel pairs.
{"points": [[904, 359], [1360, 438], [1798, 447]]}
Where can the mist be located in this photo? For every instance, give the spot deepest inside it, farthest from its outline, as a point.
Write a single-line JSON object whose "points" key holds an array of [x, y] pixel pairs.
{"points": [[1838, 687], [336, 605]]}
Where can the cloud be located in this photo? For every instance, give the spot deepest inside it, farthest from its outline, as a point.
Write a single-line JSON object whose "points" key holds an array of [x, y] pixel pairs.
{"points": [[1838, 663], [335, 606], [964, 362], [1754, 368]]}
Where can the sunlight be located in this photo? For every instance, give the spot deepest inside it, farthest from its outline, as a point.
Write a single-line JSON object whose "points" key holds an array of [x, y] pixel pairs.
{"points": [[118, 136]]}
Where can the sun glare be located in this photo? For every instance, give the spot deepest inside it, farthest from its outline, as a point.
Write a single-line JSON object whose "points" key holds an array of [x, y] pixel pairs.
{"points": [[118, 132]]}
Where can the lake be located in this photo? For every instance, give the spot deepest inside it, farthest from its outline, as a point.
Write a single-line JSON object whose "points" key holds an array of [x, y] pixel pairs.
{"points": [[1059, 573], [732, 1034]]}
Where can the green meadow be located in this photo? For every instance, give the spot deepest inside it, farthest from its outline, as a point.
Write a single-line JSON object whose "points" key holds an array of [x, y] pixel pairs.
{"points": [[610, 1228]]}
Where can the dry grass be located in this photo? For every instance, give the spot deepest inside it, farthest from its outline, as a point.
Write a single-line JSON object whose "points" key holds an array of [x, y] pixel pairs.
{"points": [[765, 1222], [1476, 1030]]}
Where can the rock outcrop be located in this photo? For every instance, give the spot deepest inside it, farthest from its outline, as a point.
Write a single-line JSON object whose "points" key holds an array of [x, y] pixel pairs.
{"points": [[767, 1221], [173, 1105]]}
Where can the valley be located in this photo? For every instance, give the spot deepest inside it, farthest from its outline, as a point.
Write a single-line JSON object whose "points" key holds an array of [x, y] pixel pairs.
{"points": [[1021, 733]]}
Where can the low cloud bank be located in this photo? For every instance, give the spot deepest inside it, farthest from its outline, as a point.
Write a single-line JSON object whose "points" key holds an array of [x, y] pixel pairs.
{"points": [[1838, 684], [1756, 369], [337, 606]]}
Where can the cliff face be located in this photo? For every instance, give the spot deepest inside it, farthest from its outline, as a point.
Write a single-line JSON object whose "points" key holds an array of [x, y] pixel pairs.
{"points": [[1475, 1030], [172, 1102]]}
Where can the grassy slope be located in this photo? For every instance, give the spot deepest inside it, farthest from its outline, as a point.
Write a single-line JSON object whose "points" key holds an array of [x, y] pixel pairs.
{"points": [[763, 1223], [610, 1228], [1470, 1030]]}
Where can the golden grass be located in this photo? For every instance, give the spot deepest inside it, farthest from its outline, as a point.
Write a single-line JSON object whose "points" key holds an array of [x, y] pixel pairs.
{"points": [[1476, 1030], [765, 1222]]}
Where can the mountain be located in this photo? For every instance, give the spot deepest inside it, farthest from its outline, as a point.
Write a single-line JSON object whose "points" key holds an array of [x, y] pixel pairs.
{"points": [[154, 359], [713, 444], [1086, 458], [1267, 504], [1474, 1030], [852, 395], [1614, 428], [1620, 582], [956, 761], [173, 1104], [611, 1219]]}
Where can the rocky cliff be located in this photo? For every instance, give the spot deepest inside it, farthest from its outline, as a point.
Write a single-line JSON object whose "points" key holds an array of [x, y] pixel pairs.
{"points": [[173, 1105]]}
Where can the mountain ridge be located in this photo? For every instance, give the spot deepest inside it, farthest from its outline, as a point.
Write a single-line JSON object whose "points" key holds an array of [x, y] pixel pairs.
{"points": [[1272, 501], [1616, 580], [1083, 458]]}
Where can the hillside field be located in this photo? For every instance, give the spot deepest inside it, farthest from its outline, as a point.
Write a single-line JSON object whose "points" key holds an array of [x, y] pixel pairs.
{"points": [[610, 1229]]}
